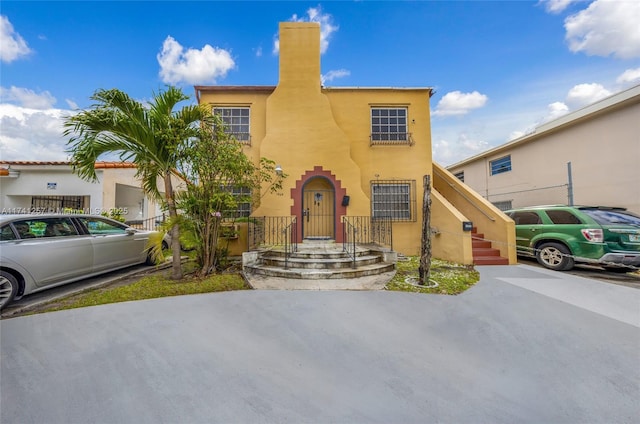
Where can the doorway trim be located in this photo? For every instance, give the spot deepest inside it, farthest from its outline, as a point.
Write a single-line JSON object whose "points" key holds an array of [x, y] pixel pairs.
{"points": [[340, 192]]}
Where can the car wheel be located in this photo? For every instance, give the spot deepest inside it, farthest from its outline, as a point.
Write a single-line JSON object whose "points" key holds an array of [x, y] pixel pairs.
{"points": [[150, 261], [554, 256], [8, 288]]}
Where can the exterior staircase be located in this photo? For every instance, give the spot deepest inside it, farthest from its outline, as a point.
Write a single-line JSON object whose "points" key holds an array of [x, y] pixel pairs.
{"points": [[316, 260], [483, 252]]}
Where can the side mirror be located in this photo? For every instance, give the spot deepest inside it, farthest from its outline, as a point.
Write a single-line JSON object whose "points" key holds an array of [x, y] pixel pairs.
{"points": [[131, 231]]}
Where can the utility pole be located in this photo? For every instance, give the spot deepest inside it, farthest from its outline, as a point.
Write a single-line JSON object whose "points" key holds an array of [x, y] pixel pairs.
{"points": [[424, 270], [570, 185]]}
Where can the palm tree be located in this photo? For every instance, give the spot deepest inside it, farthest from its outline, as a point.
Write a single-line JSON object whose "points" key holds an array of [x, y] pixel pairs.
{"points": [[151, 137]]}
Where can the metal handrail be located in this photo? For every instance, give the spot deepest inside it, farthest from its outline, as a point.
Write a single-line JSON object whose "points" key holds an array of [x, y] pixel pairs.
{"points": [[290, 233], [372, 230], [464, 196], [349, 232], [266, 232]]}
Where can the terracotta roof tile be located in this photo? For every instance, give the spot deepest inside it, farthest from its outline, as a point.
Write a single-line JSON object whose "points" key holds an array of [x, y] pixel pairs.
{"points": [[99, 165]]}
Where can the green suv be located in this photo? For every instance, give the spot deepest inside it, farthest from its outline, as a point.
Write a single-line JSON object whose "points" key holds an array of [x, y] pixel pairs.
{"points": [[560, 236]]}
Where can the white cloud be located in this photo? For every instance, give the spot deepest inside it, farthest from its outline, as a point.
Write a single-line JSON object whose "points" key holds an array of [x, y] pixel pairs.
{"points": [[556, 110], [629, 77], [606, 28], [72, 105], [32, 134], [192, 66], [27, 98], [516, 134], [458, 103], [446, 153], [585, 94], [12, 45], [555, 6], [327, 28], [331, 75]]}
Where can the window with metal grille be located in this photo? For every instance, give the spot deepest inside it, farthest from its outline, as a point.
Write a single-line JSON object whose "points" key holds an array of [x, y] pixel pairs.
{"points": [[501, 165], [236, 122], [393, 199], [459, 175], [389, 125], [503, 205], [57, 203], [242, 196]]}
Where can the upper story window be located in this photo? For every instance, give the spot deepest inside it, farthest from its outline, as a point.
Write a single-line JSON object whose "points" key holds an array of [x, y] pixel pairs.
{"points": [[389, 125], [459, 175], [501, 165], [236, 121]]}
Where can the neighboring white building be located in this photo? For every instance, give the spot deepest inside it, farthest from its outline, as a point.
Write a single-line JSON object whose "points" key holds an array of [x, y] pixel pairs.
{"points": [[52, 186], [587, 157]]}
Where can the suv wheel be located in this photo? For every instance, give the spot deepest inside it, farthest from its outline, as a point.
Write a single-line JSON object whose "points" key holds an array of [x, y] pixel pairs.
{"points": [[554, 256]]}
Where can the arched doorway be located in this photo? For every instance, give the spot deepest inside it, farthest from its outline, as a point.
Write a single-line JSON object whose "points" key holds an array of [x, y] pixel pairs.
{"points": [[318, 209]]}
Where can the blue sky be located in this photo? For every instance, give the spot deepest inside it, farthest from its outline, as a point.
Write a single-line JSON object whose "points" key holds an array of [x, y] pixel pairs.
{"points": [[499, 68]]}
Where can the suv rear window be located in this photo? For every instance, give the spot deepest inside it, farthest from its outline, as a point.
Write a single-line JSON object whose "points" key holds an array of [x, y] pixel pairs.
{"points": [[608, 217], [562, 217]]}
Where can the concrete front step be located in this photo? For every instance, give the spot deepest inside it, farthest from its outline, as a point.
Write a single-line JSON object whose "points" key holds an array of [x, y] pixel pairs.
{"points": [[312, 255], [317, 274], [320, 262]]}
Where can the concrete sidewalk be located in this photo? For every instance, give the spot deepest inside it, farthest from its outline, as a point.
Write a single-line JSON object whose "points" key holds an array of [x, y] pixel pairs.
{"points": [[610, 300]]}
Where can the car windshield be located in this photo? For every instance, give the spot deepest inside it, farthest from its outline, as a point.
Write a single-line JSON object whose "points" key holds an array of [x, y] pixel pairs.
{"points": [[608, 217]]}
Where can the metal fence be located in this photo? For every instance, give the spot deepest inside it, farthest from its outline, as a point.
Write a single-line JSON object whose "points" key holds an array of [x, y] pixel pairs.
{"points": [[369, 230], [273, 232]]}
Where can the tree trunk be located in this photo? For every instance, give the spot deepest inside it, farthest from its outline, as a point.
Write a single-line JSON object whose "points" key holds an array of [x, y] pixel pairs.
{"points": [[424, 270], [176, 268]]}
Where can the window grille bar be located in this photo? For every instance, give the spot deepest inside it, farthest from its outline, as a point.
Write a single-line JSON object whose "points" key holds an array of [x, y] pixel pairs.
{"points": [[393, 199]]}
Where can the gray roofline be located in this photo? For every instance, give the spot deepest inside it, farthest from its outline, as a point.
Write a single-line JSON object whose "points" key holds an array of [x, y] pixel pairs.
{"points": [[630, 95]]}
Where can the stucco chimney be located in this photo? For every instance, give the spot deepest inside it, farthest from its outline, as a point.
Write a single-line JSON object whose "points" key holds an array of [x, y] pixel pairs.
{"points": [[300, 55]]}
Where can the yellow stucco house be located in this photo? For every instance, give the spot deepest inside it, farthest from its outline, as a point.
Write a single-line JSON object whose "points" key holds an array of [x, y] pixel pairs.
{"points": [[351, 154]]}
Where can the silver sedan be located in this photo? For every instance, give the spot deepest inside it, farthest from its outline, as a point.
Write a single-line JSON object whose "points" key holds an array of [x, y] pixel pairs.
{"points": [[41, 251]]}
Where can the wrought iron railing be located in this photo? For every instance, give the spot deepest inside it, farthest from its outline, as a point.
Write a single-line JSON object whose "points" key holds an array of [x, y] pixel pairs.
{"points": [[349, 237], [280, 232], [149, 224], [369, 230]]}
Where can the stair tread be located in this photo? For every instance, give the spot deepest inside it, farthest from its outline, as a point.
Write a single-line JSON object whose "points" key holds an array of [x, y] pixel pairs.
{"points": [[324, 260], [324, 270], [310, 273], [485, 251], [490, 260]]}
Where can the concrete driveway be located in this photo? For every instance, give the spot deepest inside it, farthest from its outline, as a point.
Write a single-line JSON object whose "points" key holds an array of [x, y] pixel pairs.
{"points": [[523, 345]]}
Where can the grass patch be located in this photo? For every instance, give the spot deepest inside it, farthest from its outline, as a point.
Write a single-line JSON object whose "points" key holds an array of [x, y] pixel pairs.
{"points": [[149, 287], [451, 278]]}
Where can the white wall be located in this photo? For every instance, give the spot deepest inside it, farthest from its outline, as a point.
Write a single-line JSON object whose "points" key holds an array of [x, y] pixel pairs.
{"points": [[46, 181], [604, 152]]}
